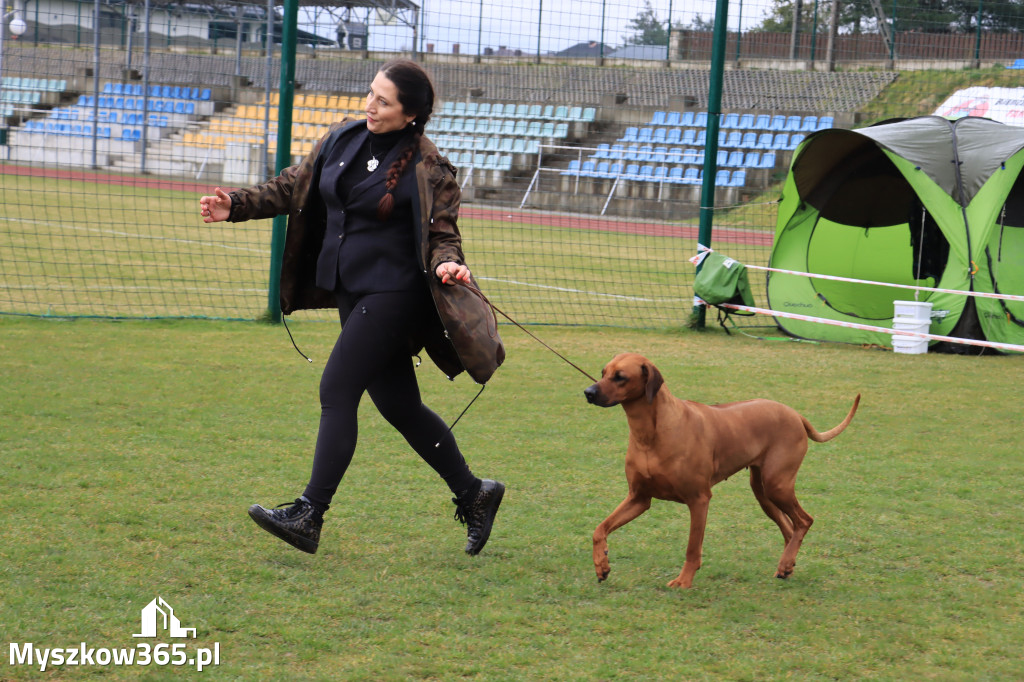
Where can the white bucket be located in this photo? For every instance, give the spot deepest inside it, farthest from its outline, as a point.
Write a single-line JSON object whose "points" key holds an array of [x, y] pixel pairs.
{"points": [[906, 311], [909, 344]]}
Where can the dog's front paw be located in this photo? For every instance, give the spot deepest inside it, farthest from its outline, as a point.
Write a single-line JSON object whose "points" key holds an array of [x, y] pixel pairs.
{"points": [[602, 574]]}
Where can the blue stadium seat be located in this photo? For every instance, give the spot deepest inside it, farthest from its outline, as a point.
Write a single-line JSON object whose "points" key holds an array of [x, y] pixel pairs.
{"points": [[660, 174], [738, 178], [689, 137], [484, 109], [752, 160], [659, 135], [735, 138], [617, 151], [659, 154], [674, 136], [603, 149], [547, 129], [675, 156], [762, 122], [534, 111], [630, 135], [632, 153], [794, 140], [764, 141], [746, 122], [689, 157], [809, 125], [632, 171], [561, 113], [749, 141], [731, 120], [722, 158], [675, 175], [673, 119], [700, 119], [692, 176], [471, 108], [767, 160], [533, 129], [658, 119], [826, 122], [722, 178], [589, 114], [646, 173], [645, 135], [781, 141], [686, 119], [497, 109], [793, 124], [778, 123], [601, 170], [574, 114], [574, 167], [735, 159]]}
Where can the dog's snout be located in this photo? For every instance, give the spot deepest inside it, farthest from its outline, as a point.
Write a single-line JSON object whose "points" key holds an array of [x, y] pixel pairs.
{"points": [[591, 393]]}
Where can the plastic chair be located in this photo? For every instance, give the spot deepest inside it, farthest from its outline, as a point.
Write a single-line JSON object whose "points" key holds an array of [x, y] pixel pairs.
{"points": [[483, 109], [574, 114], [764, 141], [660, 174], [603, 149], [762, 122], [746, 122], [731, 120], [675, 175], [752, 160], [691, 176], [645, 135], [674, 136], [738, 178], [781, 141], [658, 118], [778, 123], [825, 122], [749, 141], [673, 119], [722, 178], [793, 123], [659, 135], [600, 171], [767, 160], [794, 140], [735, 159], [810, 124], [686, 119], [735, 139], [630, 135]]}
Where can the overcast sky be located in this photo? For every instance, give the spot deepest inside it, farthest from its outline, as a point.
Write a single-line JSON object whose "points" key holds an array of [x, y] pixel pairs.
{"points": [[474, 24]]}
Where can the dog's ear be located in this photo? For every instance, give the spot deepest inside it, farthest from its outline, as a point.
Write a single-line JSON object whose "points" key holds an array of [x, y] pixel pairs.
{"points": [[654, 381]]}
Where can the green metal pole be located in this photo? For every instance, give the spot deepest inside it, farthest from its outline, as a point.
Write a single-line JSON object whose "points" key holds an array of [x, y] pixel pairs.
{"points": [[284, 153], [707, 190]]}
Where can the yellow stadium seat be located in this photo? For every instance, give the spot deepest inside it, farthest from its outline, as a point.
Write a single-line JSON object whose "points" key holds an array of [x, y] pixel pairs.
{"points": [[320, 102], [333, 102]]}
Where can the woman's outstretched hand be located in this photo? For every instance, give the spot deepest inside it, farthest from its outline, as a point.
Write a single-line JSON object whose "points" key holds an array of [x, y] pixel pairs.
{"points": [[216, 208]]}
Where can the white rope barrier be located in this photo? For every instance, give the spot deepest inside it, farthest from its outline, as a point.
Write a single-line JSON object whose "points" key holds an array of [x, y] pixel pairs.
{"points": [[870, 328], [1006, 297]]}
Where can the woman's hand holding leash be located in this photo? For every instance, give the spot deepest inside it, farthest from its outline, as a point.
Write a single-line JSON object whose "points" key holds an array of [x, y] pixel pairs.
{"points": [[452, 273]]}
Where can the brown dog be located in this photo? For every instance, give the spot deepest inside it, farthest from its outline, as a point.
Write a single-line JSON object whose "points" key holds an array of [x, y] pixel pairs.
{"points": [[679, 449]]}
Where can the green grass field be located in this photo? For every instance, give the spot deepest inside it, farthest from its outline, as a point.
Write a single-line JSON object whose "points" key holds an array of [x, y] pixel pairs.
{"points": [[131, 451]]}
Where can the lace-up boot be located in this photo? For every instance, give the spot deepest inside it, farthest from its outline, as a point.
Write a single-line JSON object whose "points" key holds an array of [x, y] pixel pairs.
{"points": [[298, 523], [477, 511]]}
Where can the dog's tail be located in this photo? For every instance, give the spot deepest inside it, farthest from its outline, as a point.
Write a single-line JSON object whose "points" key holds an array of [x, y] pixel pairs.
{"points": [[813, 434]]}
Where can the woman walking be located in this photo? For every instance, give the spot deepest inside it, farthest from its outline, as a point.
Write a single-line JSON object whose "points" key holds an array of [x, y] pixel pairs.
{"points": [[372, 231]]}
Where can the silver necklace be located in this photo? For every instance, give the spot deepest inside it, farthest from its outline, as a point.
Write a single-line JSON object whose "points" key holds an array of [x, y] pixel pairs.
{"points": [[372, 164]]}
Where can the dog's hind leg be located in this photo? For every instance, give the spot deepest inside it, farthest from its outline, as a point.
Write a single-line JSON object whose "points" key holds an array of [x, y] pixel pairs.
{"points": [[773, 512], [694, 547], [785, 499], [630, 508]]}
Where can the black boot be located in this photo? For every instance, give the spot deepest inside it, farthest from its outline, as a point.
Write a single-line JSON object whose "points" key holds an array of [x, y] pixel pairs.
{"points": [[477, 511], [298, 524]]}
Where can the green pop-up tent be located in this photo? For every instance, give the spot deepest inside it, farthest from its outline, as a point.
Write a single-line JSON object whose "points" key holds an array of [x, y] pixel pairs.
{"points": [[925, 201]]}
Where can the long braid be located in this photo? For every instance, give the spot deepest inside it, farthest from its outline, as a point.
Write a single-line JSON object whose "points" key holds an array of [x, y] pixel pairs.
{"points": [[387, 202]]}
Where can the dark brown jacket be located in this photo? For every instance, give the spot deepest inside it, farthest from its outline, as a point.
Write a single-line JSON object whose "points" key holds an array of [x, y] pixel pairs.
{"points": [[469, 339]]}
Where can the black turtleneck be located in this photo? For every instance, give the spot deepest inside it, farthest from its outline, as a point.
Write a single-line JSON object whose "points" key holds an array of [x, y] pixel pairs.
{"points": [[375, 146]]}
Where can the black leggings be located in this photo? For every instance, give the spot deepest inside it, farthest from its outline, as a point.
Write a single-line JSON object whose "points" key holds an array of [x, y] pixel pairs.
{"points": [[372, 355]]}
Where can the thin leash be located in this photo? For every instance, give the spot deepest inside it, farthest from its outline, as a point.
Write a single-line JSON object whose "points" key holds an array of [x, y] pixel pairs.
{"points": [[528, 332], [494, 309]]}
